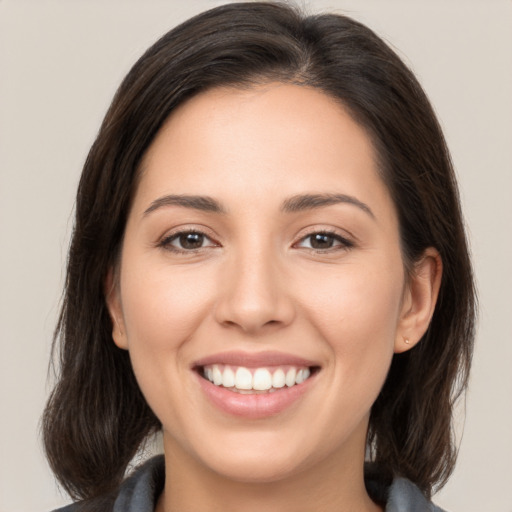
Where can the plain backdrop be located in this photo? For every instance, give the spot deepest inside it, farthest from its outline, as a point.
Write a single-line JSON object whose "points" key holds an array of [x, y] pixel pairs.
{"points": [[60, 63]]}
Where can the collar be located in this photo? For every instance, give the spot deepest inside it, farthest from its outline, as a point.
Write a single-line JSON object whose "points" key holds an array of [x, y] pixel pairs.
{"points": [[140, 491]]}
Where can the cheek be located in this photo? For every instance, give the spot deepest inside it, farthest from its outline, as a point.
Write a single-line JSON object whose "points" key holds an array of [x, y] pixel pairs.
{"points": [[358, 299], [163, 308], [356, 311]]}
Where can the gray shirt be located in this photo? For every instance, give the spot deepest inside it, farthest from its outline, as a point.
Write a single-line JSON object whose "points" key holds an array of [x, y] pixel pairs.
{"points": [[140, 491]]}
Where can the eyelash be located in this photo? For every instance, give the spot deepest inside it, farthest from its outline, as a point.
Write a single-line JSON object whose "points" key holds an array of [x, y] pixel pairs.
{"points": [[344, 243], [166, 242]]}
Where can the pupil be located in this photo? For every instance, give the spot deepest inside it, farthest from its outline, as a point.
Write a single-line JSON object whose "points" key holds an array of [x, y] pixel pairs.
{"points": [[191, 240], [321, 241]]}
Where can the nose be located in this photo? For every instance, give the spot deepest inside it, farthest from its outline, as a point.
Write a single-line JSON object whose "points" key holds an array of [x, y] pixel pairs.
{"points": [[254, 294]]}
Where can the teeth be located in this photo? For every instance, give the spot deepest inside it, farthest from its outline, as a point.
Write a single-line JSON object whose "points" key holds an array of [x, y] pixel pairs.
{"points": [[290, 377], [243, 378], [217, 376], [228, 378], [302, 375], [278, 379], [260, 379]]}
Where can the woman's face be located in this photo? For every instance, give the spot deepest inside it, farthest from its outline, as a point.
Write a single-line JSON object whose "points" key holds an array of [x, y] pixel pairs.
{"points": [[262, 248]]}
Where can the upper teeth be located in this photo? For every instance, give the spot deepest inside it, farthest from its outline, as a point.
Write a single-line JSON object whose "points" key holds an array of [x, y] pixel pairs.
{"points": [[259, 379]]}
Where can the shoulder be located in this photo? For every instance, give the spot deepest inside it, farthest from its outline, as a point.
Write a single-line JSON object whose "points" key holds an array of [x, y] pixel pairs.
{"points": [[396, 494], [404, 496], [138, 493]]}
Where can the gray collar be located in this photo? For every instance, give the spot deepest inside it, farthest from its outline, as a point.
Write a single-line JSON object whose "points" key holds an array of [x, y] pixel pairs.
{"points": [[141, 490]]}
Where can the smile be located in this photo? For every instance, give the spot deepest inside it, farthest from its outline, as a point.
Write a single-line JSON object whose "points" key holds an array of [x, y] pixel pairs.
{"points": [[255, 385], [240, 379]]}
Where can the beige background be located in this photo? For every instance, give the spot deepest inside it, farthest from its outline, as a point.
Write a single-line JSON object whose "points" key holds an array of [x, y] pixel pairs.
{"points": [[60, 63]]}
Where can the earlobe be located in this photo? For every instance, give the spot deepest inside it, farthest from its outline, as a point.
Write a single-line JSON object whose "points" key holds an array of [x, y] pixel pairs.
{"points": [[113, 301], [419, 300]]}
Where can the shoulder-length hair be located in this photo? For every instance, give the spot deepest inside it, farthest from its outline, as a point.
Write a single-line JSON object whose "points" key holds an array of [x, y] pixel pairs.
{"points": [[96, 417]]}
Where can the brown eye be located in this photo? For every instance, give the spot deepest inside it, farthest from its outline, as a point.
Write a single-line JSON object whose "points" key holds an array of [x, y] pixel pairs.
{"points": [[324, 241], [190, 240], [187, 241]]}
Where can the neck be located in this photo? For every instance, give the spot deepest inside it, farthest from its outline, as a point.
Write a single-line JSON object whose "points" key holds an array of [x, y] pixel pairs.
{"points": [[331, 486]]}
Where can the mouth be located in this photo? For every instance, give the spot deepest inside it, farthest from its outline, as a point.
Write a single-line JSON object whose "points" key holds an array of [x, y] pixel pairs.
{"points": [[255, 386], [259, 380]]}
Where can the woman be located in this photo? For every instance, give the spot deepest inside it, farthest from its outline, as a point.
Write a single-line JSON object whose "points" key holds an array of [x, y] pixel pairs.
{"points": [[269, 266]]}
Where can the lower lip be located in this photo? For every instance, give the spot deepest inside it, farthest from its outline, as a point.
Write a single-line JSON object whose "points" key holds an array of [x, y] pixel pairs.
{"points": [[255, 406]]}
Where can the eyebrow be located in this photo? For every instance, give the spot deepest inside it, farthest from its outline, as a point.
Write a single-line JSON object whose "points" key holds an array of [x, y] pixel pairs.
{"points": [[203, 203], [293, 204], [311, 201]]}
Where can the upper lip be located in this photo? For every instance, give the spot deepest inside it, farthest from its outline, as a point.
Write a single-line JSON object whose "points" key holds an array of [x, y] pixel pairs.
{"points": [[255, 360]]}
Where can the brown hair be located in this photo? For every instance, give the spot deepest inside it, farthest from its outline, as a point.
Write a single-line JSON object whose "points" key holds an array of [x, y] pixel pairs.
{"points": [[96, 417]]}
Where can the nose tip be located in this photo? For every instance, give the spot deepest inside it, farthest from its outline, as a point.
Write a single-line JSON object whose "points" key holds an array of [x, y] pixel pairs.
{"points": [[252, 317], [254, 298]]}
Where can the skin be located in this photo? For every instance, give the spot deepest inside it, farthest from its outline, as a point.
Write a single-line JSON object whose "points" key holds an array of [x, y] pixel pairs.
{"points": [[257, 284]]}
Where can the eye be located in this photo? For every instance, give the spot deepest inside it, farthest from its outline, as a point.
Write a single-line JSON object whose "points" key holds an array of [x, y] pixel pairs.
{"points": [[324, 241], [187, 241]]}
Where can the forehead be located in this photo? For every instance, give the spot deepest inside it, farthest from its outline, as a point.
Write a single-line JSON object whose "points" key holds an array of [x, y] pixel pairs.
{"points": [[263, 139]]}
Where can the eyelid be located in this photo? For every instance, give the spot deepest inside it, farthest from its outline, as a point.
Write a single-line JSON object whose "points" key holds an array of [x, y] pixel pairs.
{"points": [[164, 241], [345, 242]]}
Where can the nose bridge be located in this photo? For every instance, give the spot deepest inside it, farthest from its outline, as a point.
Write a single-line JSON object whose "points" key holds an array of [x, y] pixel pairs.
{"points": [[253, 292]]}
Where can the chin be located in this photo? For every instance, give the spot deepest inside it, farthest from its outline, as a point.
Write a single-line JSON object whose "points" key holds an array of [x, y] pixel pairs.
{"points": [[257, 469], [264, 456]]}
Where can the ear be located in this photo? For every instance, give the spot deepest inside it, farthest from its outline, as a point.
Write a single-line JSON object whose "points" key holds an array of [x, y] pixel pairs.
{"points": [[420, 296], [113, 300]]}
